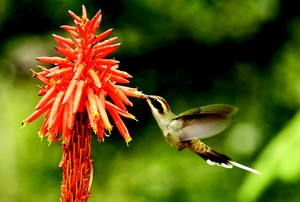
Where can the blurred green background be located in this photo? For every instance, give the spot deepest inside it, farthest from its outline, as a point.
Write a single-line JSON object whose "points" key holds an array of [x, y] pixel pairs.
{"points": [[193, 53]]}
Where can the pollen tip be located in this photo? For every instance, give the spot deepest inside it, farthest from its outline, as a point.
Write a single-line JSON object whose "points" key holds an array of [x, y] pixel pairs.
{"points": [[41, 67], [109, 129], [96, 116], [49, 139], [95, 130], [34, 72], [23, 124], [127, 141], [64, 100]]}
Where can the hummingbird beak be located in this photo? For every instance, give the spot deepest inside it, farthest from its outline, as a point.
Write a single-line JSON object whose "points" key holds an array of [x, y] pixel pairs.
{"points": [[144, 96]]}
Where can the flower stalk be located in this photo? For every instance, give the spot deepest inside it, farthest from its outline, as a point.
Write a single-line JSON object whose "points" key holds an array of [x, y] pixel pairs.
{"points": [[79, 94], [76, 163]]}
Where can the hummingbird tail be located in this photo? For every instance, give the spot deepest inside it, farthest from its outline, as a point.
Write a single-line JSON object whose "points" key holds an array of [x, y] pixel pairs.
{"points": [[244, 167], [215, 158]]}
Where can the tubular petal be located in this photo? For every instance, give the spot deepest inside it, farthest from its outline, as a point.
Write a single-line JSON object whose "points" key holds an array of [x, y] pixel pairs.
{"points": [[81, 30], [90, 116], [128, 91], [55, 108], [118, 93], [37, 113], [78, 96], [104, 77], [72, 116], [102, 35], [46, 97], [74, 34], [84, 13], [65, 128], [95, 78], [88, 54], [103, 114], [70, 90], [115, 99], [106, 49], [44, 70], [119, 79], [60, 39], [74, 16], [52, 60], [106, 42], [93, 104], [95, 22], [41, 78], [111, 106], [78, 71], [113, 70], [120, 125], [54, 132], [68, 28], [123, 74], [100, 133], [68, 52], [99, 62], [60, 72], [43, 90]]}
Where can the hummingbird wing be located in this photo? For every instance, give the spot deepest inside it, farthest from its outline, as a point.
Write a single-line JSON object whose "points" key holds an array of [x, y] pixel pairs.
{"points": [[204, 121]]}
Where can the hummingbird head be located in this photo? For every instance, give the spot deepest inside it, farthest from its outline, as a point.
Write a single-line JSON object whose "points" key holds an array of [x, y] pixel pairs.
{"points": [[160, 109], [158, 105]]}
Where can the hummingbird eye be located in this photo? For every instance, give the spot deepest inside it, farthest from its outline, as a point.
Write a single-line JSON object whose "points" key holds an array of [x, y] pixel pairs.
{"points": [[157, 104]]}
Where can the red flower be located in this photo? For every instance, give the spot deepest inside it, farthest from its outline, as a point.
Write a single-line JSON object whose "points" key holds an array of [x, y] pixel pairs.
{"points": [[81, 81], [79, 94]]}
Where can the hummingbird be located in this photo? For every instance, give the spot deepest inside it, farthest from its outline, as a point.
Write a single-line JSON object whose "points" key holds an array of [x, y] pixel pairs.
{"points": [[184, 131]]}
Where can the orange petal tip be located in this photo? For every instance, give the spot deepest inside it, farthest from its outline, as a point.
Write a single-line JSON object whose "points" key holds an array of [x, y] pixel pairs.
{"points": [[23, 124], [127, 142], [109, 128], [41, 136]]}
